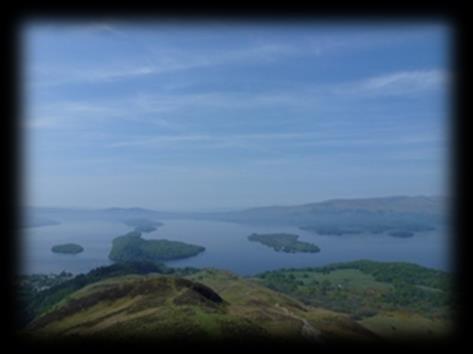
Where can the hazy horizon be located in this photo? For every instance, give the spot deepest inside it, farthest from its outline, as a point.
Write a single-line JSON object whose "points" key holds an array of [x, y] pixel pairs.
{"points": [[214, 116], [235, 208]]}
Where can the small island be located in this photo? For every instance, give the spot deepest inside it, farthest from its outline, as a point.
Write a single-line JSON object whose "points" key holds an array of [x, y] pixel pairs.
{"points": [[284, 242], [132, 248], [143, 225], [393, 229], [401, 234], [331, 230], [67, 248]]}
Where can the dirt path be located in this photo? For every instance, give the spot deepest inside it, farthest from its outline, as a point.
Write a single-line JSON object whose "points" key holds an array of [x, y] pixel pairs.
{"points": [[308, 330]]}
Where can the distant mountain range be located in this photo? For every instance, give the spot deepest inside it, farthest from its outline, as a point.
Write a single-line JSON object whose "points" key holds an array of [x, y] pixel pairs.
{"points": [[396, 204], [352, 213]]}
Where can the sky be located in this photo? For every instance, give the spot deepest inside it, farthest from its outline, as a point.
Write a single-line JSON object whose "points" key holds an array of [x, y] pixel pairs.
{"points": [[214, 115]]}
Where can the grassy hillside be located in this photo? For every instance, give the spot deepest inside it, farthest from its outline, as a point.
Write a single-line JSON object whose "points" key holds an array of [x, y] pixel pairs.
{"points": [[384, 297], [210, 304], [39, 293], [130, 305], [283, 315], [360, 300]]}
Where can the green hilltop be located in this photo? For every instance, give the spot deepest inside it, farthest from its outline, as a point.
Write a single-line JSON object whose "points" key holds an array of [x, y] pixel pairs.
{"points": [[360, 300]]}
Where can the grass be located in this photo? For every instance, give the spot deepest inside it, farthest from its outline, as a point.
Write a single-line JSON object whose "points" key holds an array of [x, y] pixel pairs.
{"points": [[347, 278], [404, 325], [248, 310], [362, 289], [333, 303]]}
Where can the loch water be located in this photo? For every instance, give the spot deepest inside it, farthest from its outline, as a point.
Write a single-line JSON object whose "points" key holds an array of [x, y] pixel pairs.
{"points": [[227, 246]]}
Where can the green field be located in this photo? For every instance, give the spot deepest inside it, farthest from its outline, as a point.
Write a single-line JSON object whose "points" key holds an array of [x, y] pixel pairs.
{"points": [[364, 288], [398, 325]]}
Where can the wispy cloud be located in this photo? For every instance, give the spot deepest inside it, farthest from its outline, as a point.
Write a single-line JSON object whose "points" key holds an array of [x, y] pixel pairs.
{"points": [[394, 83], [156, 108], [41, 122], [152, 57], [70, 114], [397, 83], [218, 140], [295, 139], [158, 62]]}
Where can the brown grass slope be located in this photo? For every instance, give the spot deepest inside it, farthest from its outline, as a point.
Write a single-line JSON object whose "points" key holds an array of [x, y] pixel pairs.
{"points": [[211, 304]]}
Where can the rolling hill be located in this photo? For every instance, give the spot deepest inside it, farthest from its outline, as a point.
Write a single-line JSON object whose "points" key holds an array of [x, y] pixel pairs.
{"points": [[165, 307], [128, 302], [404, 205]]}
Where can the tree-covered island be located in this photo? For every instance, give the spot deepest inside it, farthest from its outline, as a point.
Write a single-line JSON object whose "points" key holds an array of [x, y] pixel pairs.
{"points": [[143, 225], [331, 230], [284, 242], [401, 234], [67, 248], [132, 248]]}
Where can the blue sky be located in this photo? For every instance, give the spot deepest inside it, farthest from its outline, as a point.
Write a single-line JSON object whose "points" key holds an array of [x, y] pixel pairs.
{"points": [[208, 115]]}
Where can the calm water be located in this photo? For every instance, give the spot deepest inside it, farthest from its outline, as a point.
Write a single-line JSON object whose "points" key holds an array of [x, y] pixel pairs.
{"points": [[226, 246]]}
